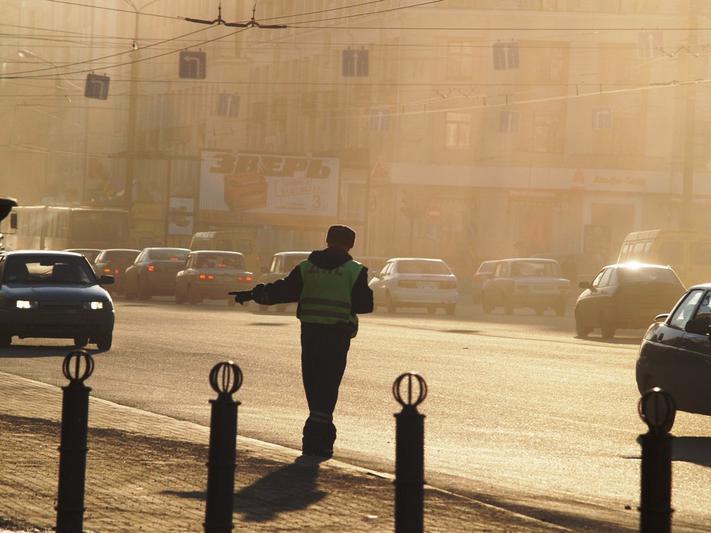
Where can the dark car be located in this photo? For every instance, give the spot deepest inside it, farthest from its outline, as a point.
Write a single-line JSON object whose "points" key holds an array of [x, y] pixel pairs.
{"points": [[625, 295], [526, 282], [90, 253], [54, 294], [153, 272], [676, 352], [114, 262], [210, 275]]}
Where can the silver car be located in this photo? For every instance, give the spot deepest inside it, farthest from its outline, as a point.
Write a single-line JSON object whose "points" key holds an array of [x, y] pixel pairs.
{"points": [[526, 282], [415, 282]]}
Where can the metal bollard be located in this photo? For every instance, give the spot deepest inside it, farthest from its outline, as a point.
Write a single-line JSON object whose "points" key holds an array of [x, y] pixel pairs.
{"points": [[77, 367], [657, 409], [225, 379], [409, 455]]}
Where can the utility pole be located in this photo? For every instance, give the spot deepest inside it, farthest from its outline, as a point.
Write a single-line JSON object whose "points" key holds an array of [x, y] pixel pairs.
{"points": [[132, 115], [689, 91]]}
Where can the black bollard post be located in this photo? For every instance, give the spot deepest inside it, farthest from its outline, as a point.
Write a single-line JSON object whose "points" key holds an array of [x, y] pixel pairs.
{"points": [[77, 367], [225, 379], [409, 455], [657, 409]]}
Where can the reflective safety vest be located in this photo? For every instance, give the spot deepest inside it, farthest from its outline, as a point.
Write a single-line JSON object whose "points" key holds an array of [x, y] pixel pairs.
{"points": [[326, 294]]}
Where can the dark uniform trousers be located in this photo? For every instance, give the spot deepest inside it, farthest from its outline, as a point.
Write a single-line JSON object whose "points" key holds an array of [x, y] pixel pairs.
{"points": [[324, 350]]}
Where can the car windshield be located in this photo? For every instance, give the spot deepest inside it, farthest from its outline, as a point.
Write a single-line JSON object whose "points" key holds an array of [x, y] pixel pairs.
{"points": [[119, 257], [234, 261], [48, 269], [487, 268], [167, 254], [291, 260], [534, 269], [422, 267], [649, 275]]}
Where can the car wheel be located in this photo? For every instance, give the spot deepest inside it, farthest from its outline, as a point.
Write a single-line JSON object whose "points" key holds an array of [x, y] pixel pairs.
{"points": [[80, 342], [606, 328], [431, 309], [559, 308], [390, 304], [193, 297], [5, 340], [450, 308], [581, 330], [143, 292], [179, 296], [231, 301], [509, 308], [486, 306], [103, 342]]}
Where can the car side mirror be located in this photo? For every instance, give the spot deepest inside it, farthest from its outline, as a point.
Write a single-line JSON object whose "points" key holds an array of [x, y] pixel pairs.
{"points": [[585, 285], [106, 280], [699, 325], [661, 317]]}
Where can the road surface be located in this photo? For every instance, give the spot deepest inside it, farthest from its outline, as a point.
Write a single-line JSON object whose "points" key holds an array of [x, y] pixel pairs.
{"points": [[520, 413]]}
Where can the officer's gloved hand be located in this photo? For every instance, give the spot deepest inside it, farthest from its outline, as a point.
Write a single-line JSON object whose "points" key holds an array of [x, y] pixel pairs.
{"points": [[259, 294]]}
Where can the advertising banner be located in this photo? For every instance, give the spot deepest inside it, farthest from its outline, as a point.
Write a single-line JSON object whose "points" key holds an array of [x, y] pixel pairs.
{"points": [[269, 184]]}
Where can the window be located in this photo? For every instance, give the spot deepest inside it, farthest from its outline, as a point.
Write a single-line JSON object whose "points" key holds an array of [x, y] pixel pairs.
{"points": [[458, 130], [705, 306], [605, 280], [686, 308], [650, 44], [228, 105], [602, 119], [598, 278], [460, 61], [506, 56], [508, 121]]}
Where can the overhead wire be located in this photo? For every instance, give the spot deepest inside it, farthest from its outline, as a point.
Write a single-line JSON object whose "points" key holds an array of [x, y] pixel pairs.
{"points": [[296, 24], [115, 9], [109, 56], [351, 6]]}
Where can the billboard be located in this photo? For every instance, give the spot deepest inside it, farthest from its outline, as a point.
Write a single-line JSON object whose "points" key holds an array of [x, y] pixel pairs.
{"points": [[269, 184]]}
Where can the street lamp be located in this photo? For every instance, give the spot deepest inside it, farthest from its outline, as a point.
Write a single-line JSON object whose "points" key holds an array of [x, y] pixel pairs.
{"points": [[25, 53]]}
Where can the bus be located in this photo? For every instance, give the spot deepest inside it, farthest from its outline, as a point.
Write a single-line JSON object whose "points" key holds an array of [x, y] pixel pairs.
{"points": [[42, 227], [687, 252]]}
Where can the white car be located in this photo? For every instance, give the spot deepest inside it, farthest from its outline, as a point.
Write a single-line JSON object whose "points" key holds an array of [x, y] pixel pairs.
{"points": [[415, 282]]}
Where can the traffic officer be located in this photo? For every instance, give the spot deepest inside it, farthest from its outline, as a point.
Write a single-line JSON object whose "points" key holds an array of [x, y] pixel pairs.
{"points": [[331, 289]]}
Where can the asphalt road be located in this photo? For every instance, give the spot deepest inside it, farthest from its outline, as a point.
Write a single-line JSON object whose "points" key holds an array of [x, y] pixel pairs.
{"points": [[520, 413]]}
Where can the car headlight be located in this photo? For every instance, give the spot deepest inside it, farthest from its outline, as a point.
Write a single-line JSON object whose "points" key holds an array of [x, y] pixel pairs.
{"points": [[94, 306], [25, 304]]}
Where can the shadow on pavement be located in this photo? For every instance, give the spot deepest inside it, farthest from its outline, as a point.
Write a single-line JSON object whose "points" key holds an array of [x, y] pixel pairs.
{"points": [[615, 340], [287, 488], [695, 450], [22, 352], [268, 324]]}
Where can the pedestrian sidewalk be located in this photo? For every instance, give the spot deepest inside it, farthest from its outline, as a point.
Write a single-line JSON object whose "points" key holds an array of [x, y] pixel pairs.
{"points": [[147, 472]]}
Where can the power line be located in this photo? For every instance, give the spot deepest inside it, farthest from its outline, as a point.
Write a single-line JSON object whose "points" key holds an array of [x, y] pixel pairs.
{"points": [[498, 28], [116, 65], [324, 10], [297, 24], [91, 60], [115, 9]]}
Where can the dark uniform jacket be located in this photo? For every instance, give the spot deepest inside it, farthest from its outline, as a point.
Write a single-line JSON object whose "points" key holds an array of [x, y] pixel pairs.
{"points": [[289, 289]]}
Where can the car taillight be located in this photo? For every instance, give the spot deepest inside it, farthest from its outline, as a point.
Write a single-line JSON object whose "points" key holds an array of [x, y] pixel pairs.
{"points": [[151, 268], [409, 284], [107, 270], [206, 277], [245, 279], [117, 271]]}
